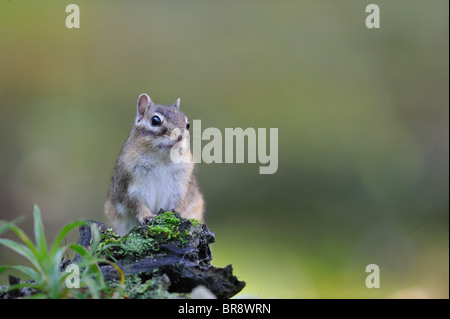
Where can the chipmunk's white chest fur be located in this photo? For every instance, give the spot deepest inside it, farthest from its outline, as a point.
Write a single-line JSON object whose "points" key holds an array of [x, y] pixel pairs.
{"points": [[159, 186]]}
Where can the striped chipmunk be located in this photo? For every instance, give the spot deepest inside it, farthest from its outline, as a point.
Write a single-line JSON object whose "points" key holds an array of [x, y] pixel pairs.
{"points": [[145, 178]]}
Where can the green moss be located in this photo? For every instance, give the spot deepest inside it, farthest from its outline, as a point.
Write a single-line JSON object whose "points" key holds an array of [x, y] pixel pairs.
{"points": [[133, 245], [144, 241], [109, 241], [166, 227], [137, 246], [167, 218], [154, 288], [195, 222], [108, 237]]}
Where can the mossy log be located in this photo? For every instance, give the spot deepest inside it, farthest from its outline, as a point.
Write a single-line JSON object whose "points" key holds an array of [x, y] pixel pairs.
{"points": [[168, 257]]}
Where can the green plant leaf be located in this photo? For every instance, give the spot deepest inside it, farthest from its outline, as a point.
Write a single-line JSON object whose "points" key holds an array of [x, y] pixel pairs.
{"points": [[21, 234], [5, 226], [95, 238], [28, 271], [63, 233], [49, 280], [41, 243], [24, 285], [93, 287], [22, 250], [55, 276], [58, 256], [91, 263]]}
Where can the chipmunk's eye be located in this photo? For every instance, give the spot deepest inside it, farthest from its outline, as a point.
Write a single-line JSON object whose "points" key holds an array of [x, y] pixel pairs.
{"points": [[188, 125], [156, 121]]}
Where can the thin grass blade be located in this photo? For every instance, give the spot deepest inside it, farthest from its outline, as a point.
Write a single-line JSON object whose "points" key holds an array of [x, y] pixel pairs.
{"points": [[5, 226], [41, 243], [63, 233], [21, 234], [22, 250], [28, 271], [91, 263]]}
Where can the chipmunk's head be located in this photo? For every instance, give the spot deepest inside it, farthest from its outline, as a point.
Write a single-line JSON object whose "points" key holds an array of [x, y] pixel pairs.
{"points": [[161, 125]]}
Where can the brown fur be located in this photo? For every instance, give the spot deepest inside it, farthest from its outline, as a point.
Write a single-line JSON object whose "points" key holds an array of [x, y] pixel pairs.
{"points": [[145, 179]]}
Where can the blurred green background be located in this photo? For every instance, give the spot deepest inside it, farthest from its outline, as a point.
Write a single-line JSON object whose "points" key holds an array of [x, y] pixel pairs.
{"points": [[362, 115]]}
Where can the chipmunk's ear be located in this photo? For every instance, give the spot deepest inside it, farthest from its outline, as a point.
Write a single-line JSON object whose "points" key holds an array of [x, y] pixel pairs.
{"points": [[143, 103], [177, 103]]}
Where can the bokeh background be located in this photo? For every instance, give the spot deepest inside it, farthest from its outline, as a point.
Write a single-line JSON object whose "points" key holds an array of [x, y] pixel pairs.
{"points": [[362, 116]]}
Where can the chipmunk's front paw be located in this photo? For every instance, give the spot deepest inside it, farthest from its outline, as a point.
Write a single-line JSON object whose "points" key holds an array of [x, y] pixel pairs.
{"points": [[145, 219]]}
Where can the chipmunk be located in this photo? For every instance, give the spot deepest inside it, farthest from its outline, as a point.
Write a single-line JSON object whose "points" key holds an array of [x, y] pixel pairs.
{"points": [[145, 178]]}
